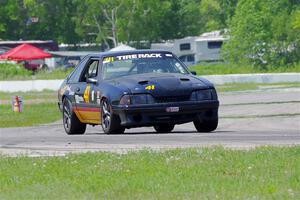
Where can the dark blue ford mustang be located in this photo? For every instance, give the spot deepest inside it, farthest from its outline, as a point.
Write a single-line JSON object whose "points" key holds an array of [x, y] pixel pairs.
{"points": [[119, 90]]}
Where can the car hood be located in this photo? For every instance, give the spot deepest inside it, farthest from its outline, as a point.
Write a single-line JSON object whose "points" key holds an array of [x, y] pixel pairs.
{"points": [[161, 84]]}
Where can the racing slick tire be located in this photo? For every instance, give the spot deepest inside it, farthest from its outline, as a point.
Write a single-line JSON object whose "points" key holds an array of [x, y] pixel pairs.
{"points": [[206, 125], [164, 128], [72, 125], [111, 123]]}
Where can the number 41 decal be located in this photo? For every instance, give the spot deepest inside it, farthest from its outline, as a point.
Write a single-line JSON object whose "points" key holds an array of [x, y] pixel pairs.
{"points": [[150, 87]]}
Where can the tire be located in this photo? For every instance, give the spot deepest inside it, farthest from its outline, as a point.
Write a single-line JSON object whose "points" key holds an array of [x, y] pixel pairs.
{"points": [[71, 123], [111, 123], [207, 125], [164, 128]]}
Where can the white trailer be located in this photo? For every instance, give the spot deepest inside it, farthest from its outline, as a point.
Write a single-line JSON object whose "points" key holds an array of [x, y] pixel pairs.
{"points": [[191, 50]]}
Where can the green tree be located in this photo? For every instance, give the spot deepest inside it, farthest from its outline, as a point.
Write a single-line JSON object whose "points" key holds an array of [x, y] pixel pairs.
{"points": [[12, 19], [217, 13], [98, 20], [142, 20], [111, 21], [261, 33], [55, 20]]}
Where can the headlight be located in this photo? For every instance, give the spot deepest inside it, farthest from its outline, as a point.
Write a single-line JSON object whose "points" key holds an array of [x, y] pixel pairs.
{"points": [[200, 95], [136, 99]]}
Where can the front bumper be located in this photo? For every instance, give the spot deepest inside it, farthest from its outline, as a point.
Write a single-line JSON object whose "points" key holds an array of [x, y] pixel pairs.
{"points": [[149, 115]]}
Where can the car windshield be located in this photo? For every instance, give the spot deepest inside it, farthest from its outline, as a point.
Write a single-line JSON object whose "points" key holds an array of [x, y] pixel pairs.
{"points": [[141, 63]]}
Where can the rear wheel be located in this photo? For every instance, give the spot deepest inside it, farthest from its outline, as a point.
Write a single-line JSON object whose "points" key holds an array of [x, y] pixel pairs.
{"points": [[110, 122], [72, 125], [206, 125], [164, 128]]}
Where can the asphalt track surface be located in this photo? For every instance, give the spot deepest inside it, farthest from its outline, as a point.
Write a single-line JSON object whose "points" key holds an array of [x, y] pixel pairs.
{"points": [[247, 119]]}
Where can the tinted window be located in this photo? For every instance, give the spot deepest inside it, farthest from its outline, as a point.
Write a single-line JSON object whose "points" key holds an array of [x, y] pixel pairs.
{"points": [[185, 46], [74, 77], [214, 44]]}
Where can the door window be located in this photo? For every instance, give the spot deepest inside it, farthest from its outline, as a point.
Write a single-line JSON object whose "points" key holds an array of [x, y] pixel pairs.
{"points": [[74, 77], [91, 71]]}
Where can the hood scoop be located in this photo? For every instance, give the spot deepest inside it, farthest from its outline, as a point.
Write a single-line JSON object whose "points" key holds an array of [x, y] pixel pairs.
{"points": [[143, 82]]}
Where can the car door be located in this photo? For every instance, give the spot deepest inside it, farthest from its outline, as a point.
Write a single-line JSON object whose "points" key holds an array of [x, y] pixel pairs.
{"points": [[87, 109]]}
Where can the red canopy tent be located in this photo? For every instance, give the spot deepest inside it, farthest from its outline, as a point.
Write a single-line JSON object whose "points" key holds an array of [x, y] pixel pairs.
{"points": [[25, 52]]}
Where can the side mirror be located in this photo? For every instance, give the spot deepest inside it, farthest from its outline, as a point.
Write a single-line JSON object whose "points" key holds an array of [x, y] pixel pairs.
{"points": [[92, 80], [194, 73]]}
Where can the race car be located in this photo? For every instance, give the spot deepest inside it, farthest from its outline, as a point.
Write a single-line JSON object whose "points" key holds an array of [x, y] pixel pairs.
{"points": [[122, 90]]}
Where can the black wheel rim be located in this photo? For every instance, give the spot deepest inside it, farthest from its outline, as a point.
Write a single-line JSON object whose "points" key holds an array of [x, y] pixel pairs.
{"points": [[67, 116], [106, 116]]}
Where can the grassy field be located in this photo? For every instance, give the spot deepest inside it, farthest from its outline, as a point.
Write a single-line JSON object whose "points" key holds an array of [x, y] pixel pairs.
{"points": [[55, 74], [15, 72], [33, 114], [33, 95], [38, 108], [204, 173], [223, 68]]}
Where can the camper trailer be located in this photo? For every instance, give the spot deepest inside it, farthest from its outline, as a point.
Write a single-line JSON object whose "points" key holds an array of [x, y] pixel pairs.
{"points": [[191, 50]]}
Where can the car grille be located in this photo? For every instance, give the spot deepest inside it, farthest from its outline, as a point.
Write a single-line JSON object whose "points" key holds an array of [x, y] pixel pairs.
{"points": [[171, 99]]}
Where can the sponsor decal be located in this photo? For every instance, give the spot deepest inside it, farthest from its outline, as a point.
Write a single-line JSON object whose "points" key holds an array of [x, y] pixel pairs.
{"points": [[150, 87], [98, 97], [78, 99], [135, 56], [93, 95], [86, 95], [108, 59], [178, 64]]}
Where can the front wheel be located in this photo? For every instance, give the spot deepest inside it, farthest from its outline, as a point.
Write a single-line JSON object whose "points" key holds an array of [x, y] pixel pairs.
{"points": [[110, 123], [206, 125], [72, 125], [164, 128]]}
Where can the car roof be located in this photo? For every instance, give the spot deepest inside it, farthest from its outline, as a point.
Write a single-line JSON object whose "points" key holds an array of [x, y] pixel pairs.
{"points": [[117, 53]]}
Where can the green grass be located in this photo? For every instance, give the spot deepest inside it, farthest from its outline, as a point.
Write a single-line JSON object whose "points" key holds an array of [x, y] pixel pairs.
{"points": [[33, 95], [16, 72], [204, 173], [33, 114], [11, 71], [254, 86], [55, 74], [223, 68]]}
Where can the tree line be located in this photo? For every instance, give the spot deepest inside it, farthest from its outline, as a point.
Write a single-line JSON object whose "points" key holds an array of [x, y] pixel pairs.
{"points": [[261, 32]]}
